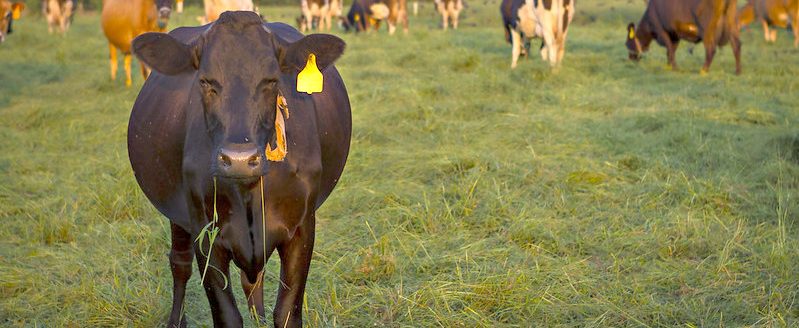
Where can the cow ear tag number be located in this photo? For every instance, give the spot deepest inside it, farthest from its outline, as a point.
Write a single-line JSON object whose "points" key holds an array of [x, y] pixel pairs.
{"points": [[310, 78], [632, 33]]}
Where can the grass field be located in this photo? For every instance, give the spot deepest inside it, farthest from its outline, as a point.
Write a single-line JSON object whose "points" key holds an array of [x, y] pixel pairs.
{"points": [[609, 194]]}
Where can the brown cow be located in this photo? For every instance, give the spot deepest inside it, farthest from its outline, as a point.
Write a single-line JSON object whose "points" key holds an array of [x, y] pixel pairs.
{"points": [[779, 13], [8, 13], [58, 14], [712, 22], [123, 20], [449, 10]]}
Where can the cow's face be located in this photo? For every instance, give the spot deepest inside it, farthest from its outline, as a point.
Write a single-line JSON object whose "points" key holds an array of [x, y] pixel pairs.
{"points": [[633, 45], [8, 13], [239, 86], [164, 8]]}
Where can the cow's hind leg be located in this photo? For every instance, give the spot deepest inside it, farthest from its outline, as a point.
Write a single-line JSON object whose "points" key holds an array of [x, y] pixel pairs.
{"points": [[295, 261], [180, 260], [516, 43], [254, 292], [735, 43], [113, 60], [128, 80]]}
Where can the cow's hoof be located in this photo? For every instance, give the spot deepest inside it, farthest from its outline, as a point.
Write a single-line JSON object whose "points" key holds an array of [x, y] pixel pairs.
{"points": [[702, 72], [181, 324]]}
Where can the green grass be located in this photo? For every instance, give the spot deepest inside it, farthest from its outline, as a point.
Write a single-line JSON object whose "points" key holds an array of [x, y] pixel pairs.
{"points": [[607, 194]]}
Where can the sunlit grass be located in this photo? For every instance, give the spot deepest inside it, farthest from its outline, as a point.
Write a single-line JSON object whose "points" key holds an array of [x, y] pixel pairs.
{"points": [[608, 194]]}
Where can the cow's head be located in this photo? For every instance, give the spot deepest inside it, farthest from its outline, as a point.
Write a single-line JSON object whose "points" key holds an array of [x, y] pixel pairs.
{"points": [[164, 8], [633, 44], [241, 68], [8, 13]]}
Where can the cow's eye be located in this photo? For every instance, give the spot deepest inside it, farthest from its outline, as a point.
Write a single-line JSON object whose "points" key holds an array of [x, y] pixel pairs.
{"points": [[209, 86]]}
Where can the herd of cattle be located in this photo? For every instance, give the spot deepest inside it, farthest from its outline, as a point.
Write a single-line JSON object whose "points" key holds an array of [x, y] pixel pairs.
{"points": [[712, 22], [222, 137]]}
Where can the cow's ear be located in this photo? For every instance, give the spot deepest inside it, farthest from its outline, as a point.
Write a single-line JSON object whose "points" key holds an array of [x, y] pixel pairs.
{"points": [[631, 31], [163, 53], [16, 10], [326, 49]]}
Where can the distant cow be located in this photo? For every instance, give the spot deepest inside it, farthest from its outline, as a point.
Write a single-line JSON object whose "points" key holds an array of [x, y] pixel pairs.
{"points": [[324, 11], [450, 10], [8, 13], [779, 13], [200, 141], [214, 8], [545, 19], [123, 20], [712, 22], [59, 14], [369, 13]]}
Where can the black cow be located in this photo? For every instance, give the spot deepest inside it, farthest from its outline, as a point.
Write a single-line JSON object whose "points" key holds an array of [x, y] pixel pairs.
{"points": [[712, 22], [197, 139]]}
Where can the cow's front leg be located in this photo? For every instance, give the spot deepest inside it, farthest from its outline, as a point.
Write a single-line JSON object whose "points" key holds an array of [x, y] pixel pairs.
{"points": [[516, 44], [254, 292], [710, 52], [295, 261], [217, 285]]}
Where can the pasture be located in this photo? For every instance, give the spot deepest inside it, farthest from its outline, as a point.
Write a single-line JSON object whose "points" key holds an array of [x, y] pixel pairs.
{"points": [[608, 194]]}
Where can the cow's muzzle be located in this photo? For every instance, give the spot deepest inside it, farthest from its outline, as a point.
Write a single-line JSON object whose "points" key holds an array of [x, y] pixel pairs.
{"points": [[163, 17], [240, 161]]}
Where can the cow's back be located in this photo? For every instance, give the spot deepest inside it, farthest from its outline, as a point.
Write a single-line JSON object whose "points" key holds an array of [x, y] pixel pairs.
{"points": [[123, 20]]}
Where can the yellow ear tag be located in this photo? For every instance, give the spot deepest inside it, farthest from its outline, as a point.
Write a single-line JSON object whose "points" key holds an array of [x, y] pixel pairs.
{"points": [[632, 33], [310, 78], [16, 12]]}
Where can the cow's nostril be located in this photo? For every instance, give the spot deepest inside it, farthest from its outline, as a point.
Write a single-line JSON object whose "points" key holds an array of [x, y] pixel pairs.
{"points": [[254, 160], [225, 159]]}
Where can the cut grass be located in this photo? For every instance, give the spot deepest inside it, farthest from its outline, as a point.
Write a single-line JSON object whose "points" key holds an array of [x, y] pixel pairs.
{"points": [[608, 194]]}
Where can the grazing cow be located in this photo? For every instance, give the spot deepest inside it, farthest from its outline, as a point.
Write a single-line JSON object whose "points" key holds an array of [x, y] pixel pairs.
{"points": [[779, 13], [545, 19], [449, 10], [8, 13], [58, 14], [200, 141], [369, 13], [214, 8], [322, 10], [712, 22], [123, 20]]}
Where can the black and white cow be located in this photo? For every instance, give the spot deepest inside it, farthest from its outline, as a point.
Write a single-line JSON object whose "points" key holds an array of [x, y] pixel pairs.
{"points": [[545, 19]]}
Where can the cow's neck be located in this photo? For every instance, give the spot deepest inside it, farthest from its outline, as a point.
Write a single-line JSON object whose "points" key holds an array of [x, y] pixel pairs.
{"points": [[643, 34]]}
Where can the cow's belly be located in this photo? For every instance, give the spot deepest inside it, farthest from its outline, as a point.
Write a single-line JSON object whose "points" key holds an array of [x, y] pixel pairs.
{"points": [[156, 132]]}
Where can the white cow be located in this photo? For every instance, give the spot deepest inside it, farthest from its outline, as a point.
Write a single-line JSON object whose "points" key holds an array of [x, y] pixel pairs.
{"points": [[449, 10], [214, 8], [58, 14], [545, 19]]}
